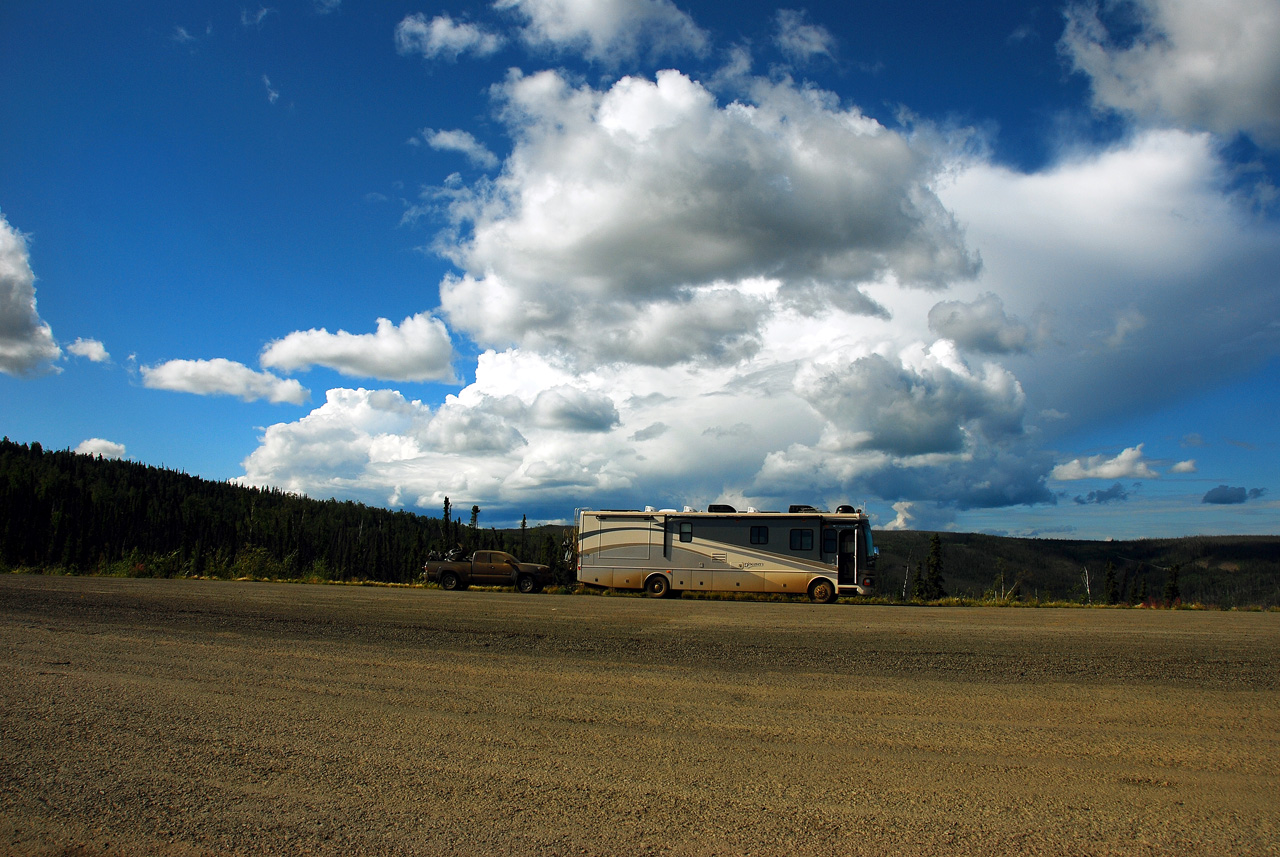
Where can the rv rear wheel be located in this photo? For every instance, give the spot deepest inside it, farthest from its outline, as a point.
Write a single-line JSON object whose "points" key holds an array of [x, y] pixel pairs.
{"points": [[821, 591], [658, 586]]}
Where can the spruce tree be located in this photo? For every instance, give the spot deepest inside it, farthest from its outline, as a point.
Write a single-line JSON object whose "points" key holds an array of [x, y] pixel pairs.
{"points": [[1172, 593], [933, 570], [1113, 590]]}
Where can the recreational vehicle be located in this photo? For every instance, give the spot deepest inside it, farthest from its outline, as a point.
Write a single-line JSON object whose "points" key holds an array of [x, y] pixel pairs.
{"points": [[803, 551]]}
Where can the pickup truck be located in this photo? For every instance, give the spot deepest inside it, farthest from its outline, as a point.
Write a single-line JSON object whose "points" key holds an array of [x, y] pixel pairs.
{"points": [[487, 568]]}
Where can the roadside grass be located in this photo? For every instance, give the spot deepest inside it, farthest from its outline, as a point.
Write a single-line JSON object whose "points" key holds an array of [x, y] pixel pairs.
{"points": [[123, 570]]}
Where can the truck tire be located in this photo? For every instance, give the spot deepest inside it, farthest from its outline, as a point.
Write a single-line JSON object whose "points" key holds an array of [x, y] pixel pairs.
{"points": [[526, 584], [449, 580], [657, 586], [821, 591]]}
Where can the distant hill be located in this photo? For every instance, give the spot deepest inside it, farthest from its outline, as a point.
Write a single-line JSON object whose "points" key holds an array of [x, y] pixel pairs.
{"points": [[65, 512], [1225, 571]]}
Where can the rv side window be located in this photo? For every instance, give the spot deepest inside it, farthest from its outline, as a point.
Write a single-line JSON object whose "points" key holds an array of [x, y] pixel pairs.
{"points": [[686, 531], [828, 541], [759, 535], [802, 540]]}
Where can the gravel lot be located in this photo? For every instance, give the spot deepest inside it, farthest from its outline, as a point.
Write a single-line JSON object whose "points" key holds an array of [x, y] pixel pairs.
{"points": [[204, 717]]}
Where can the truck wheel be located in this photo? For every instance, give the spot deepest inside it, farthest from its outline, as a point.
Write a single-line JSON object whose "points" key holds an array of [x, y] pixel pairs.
{"points": [[822, 592], [448, 580], [526, 584], [658, 586]]}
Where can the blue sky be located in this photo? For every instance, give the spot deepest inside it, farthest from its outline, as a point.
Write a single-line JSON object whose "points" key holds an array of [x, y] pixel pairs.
{"points": [[984, 266]]}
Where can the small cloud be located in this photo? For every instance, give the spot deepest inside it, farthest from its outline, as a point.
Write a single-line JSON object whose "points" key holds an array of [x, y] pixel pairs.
{"points": [[801, 41], [1127, 322], [223, 377], [650, 432], [1129, 464], [904, 518], [570, 409], [1024, 33], [90, 349], [1225, 495], [273, 95], [722, 432], [980, 326], [1193, 439], [99, 447], [254, 19], [324, 7], [1116, 493], [442, 37], [1188, 466], [181, 36], [419, 349], [461, 141]]}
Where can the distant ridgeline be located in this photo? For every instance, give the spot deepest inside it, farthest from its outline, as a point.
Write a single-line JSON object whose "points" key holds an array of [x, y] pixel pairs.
{"points": [[61, 511], [1220, 571]]}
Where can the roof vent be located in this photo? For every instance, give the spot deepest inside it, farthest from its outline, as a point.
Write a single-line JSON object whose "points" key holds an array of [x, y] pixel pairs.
{"points": [[721, 507], [845, 510], [690, 509], [800, 507]]}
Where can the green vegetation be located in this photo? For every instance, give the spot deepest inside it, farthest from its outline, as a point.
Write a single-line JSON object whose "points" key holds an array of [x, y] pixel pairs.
{"points": [[66, 513]]}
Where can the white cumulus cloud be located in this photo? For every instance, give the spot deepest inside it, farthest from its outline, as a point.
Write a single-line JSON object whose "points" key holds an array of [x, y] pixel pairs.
{"points": [[223, 377], [1203, 65], [26, 341], [649, 199], [418, 349], [99, 446], [1128, 464], [90, 349], [608, 29]]}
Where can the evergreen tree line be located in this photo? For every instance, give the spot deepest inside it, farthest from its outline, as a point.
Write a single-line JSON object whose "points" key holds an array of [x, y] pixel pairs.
{"points": [[62, 511], [1223, 571]]}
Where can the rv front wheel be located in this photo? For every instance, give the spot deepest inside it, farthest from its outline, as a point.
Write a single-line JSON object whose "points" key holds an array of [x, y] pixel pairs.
{"points": [[658, 586], [822, 592]]}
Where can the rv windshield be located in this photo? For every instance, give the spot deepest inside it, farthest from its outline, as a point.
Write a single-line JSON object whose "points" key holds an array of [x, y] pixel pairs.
{"points": [[871, 548]]}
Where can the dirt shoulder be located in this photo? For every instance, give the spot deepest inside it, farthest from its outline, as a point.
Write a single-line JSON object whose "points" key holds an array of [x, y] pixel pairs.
{"points": [[203, 717]]}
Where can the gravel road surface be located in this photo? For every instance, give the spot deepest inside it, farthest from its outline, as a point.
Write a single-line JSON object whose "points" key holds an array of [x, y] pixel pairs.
{"points": [[204, 717]]}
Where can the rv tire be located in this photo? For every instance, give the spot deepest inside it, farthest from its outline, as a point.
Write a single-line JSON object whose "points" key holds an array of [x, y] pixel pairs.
{"points": [[821, 591], [657, 586]]}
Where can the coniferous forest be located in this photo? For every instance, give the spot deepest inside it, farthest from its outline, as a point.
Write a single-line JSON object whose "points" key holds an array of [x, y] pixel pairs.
{"points": [[62, 511]]}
